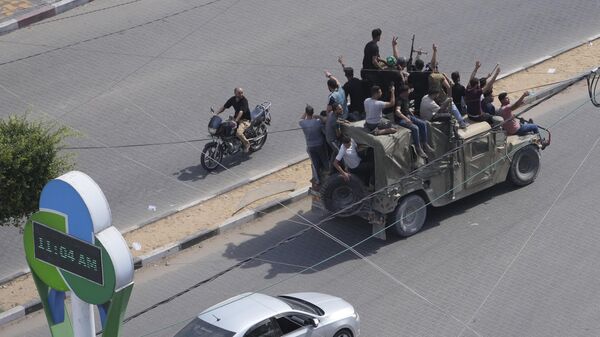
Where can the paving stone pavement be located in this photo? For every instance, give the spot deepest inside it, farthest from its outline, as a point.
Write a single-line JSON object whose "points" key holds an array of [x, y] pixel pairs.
{"points": [[155, 82]]}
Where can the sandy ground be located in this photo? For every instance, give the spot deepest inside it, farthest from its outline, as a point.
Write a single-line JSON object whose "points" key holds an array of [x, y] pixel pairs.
{"points": [[215, 211]]}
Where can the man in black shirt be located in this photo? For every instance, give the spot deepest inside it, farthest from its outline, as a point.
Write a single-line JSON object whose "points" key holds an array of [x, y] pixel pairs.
{"points": [[419, 82], [371, 59], [357, 90], [242, 114], [458, 93]]}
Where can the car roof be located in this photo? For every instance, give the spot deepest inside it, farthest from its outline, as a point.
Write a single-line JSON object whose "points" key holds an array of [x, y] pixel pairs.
{"points": [[241, 312]]}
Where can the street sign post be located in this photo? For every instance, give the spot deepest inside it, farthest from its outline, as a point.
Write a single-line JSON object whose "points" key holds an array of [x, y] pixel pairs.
{"points": [[71, 246]]}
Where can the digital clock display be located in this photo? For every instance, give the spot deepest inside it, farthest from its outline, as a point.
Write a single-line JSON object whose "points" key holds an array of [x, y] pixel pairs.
{"points": [[68, 253]]}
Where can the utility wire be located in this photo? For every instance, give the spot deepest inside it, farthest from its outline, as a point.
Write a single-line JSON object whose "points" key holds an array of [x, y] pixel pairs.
{"points": [[300, 233]]}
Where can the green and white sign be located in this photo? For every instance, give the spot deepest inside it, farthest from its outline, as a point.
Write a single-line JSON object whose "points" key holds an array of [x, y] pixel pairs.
{"points": [[71, 246]]}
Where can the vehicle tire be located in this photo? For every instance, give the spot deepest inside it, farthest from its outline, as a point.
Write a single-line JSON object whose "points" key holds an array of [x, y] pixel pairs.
{"points": [[261, 130], [410, 214], [525, 166], [341, 196], [344, 333], [211, 156]]}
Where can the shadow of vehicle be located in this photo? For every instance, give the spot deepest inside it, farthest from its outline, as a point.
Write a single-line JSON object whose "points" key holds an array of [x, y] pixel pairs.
{"points": [[291, 246]]}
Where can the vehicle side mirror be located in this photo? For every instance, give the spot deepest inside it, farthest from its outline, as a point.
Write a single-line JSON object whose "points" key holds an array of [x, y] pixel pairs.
{"points": [[314, 322], [212, 109]]}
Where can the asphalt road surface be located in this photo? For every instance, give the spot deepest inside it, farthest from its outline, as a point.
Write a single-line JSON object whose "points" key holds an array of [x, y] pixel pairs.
{"points": [[504, 262], [148, 71]]}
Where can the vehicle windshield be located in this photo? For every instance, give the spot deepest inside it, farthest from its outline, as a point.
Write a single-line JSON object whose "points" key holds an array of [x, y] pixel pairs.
{"points": [[301, 305], [200, 328]]}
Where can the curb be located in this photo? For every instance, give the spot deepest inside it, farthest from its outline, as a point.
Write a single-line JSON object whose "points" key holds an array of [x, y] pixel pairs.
{"points": [[39, 14], [280, 167], [551, 55], [21, 311]]}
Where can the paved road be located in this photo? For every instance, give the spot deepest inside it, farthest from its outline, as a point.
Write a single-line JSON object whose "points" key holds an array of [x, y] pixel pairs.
{"points": [[154, 82], [504, 262]]}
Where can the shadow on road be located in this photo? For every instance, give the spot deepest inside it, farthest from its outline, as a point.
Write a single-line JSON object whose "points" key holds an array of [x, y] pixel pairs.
{"points": [[313, 251], [197, 172]]}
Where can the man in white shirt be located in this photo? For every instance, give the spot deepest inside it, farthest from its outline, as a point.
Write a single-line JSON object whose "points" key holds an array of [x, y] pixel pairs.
{"points": [[430, 110], [354, 163], [374, 111]]}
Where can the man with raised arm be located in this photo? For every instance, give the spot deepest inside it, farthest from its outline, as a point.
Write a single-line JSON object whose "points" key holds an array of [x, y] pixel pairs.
{"points": [[473, 96]]}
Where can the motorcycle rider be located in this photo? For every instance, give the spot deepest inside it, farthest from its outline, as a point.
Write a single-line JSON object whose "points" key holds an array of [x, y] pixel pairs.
{"points": [[242, 115]]}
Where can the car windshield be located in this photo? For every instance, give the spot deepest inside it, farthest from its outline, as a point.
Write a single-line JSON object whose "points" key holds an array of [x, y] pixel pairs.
{"points": [[200, 328], [302, 305]]}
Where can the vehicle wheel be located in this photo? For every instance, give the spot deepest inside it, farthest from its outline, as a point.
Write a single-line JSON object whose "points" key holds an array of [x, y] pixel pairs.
{"points": [[525, 166], [211, 156], [341, 196], [343, 333], [262, 130], [410, 215]]}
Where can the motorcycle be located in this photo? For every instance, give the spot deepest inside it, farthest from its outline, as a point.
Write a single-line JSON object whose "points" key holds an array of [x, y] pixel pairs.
{"points": [[226, 143]]}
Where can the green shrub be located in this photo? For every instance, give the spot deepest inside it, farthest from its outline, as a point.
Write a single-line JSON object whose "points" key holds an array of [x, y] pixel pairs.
{"points": [[29, 158]]}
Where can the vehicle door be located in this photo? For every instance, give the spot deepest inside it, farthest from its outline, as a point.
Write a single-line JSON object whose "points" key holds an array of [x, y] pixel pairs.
{"points": [[295, 324], [478, 158], [266, 328]]}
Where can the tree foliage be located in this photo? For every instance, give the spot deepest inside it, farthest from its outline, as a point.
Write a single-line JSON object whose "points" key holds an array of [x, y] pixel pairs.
{"points": [[30, 156]]}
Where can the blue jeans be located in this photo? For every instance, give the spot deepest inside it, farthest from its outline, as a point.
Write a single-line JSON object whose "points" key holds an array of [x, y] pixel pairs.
{"points": [[526, 128], [457, 114], [418, 129]]}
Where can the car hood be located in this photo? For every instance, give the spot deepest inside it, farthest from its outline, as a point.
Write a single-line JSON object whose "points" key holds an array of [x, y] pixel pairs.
{"points": [[330, 304]]}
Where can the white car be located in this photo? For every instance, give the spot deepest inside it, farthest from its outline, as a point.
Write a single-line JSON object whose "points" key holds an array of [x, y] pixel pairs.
{"points": [[292, 315]]}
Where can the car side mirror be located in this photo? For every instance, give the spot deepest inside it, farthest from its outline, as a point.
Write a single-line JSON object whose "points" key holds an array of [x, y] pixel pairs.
{"points": [[314, 322]]}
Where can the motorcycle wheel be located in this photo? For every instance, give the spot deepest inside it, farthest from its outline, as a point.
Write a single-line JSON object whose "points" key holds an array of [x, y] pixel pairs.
{"points": [[262, 130], [211, 156]]}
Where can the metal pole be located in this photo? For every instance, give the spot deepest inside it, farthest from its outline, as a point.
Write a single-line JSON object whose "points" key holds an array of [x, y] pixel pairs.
{"points": [[83, 317]]}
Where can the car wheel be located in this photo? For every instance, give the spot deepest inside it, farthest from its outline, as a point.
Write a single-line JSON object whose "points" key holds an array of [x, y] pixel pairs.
{"points": [[342, 197], [343, 333], [409, 215], [525, 166]]}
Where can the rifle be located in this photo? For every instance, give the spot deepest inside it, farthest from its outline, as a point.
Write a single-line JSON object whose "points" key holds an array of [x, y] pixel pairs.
{"points": [[410, 66]]}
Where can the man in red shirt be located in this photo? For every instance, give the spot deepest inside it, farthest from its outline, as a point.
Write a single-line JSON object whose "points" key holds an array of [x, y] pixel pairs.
{"points": [[512, 124]]}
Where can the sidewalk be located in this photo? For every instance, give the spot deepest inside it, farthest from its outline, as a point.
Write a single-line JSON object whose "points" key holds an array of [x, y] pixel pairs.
{"points": [[15, 14]]}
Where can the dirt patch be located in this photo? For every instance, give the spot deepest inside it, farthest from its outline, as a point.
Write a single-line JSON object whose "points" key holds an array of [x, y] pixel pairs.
{"points": [[215, 211]]}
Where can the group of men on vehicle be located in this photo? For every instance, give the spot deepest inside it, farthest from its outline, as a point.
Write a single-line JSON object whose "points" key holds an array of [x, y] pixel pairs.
{"points": [[387, 86]]}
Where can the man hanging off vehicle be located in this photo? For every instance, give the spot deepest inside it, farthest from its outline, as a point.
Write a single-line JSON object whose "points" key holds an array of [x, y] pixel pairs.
{"points": [[242, 114]]}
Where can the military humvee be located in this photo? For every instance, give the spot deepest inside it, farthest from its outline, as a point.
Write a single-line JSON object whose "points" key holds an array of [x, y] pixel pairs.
{"points": [[465, 162]]}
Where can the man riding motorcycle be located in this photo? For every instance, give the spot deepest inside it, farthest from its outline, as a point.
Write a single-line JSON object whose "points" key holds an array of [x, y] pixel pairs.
{"points": [[242, 115]]}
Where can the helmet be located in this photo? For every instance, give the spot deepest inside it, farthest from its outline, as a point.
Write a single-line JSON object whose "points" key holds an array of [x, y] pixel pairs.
{"points": [[390, 61], [401, 61]]}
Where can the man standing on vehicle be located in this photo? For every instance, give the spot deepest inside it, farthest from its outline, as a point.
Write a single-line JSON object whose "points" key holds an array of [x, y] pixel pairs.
{"points": [[336, 95], [242, 115], [473, 96], [315, 143]]}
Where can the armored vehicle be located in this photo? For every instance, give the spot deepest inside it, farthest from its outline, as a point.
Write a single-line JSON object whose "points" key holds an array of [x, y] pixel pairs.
{"points": [[465, 161]]}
